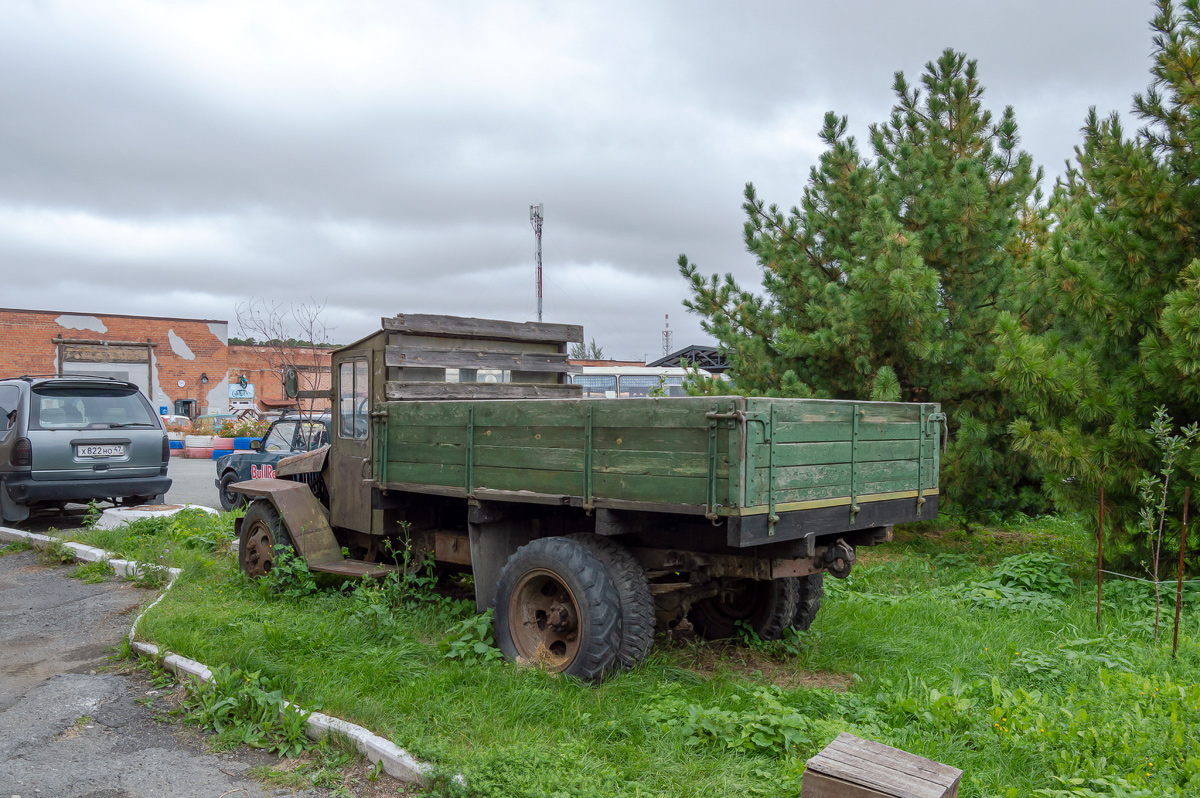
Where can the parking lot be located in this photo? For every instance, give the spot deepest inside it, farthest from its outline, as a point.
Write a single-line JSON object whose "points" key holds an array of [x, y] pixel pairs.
{"points": [[192, 482]]}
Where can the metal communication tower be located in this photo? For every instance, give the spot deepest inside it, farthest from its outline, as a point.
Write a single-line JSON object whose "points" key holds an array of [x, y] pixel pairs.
{"points": [[535, 216], [667, 335]]}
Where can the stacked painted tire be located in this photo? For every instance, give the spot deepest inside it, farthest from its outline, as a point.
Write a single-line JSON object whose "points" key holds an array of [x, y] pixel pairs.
{"points": [[222, 447], [198, 447]]}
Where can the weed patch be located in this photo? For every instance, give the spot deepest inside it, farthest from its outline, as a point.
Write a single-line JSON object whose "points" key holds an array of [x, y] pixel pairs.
{"points": [[471, 640], [91, 573], [15, 547], [56, 552], [247, 709]]}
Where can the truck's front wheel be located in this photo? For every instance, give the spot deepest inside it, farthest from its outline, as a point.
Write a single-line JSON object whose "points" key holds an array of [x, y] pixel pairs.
{"points": [[557, 607], [766, 606], [262, 532]]}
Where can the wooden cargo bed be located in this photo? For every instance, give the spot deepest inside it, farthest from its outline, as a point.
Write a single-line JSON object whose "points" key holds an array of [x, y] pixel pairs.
{"points": [[711, 456]]}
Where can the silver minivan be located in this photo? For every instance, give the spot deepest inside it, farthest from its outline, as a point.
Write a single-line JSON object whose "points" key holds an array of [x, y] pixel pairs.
{"points": [[76, 438]]}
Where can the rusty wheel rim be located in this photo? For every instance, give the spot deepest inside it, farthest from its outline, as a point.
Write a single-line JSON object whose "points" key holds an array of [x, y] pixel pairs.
{"points": [[259, 549], [739, 602], [543, 620]]}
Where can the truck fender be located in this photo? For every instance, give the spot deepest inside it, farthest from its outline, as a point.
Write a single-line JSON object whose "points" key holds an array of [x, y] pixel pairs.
{"points": [[305, 518]]}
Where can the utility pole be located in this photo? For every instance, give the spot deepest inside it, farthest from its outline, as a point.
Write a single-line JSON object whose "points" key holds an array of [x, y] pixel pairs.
{"points": [[667, 335], [535, 217]]}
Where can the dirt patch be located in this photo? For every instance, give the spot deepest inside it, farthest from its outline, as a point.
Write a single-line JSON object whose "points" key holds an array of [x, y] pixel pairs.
{"points": [[709, 658], [358, 779]]}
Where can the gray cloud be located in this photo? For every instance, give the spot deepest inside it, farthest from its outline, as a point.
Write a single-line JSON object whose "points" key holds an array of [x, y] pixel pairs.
{"points": [[180, 158]]}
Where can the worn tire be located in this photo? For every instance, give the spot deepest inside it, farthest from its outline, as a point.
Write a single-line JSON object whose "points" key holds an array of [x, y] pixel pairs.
{"points": [[230, 501], [811, 590], [262, 531], [558, 568], [767, 605], [637, 605]]}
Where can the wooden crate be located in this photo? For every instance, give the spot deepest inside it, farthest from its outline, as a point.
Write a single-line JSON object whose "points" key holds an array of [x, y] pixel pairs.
{"points": [[851, 767]]}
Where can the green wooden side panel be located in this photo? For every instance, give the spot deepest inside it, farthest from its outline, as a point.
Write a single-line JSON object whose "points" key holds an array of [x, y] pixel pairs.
{"points": [[674, 464], [660, 450]]}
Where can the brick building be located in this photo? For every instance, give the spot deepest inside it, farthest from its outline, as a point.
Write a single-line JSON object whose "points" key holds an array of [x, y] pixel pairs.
{"points": [[172, 360], [263, 367]]}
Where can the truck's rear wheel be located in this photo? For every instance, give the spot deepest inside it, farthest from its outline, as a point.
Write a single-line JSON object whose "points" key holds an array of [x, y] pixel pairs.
{"points": [[557, 607], [262, 532], [637, 605], [767, 606], [811, 589]]}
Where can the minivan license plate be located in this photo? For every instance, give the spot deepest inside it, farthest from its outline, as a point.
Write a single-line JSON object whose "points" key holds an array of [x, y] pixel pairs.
{"points": [[111, 450]]}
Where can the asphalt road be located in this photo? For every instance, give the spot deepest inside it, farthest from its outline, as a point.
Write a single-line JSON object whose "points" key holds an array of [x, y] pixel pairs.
{"points": [[192, 482], [75, 722], [70, 725]]}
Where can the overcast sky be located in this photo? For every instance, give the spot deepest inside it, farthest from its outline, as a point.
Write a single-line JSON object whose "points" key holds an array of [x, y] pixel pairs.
{"points": [[177, 158]]}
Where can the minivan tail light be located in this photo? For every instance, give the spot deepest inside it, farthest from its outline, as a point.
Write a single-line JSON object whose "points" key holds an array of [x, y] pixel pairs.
{"points": [[166, 450], [22, 453]]}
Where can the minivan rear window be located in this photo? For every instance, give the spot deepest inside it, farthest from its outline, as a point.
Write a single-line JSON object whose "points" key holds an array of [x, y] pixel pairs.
{"points": [[89, 407]]}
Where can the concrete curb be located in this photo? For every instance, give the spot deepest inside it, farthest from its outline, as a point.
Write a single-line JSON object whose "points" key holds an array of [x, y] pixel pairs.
{"points": [[396, 762], [114, 517]]}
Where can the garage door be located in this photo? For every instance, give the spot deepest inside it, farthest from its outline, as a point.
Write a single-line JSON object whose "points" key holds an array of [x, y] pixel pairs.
{"points": [[122, 360]]}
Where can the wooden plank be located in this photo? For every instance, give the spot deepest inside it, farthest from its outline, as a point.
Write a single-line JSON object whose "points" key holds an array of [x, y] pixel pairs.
{"points": [[801, 483], [869, 752], [427, 414], [758, 495], [480, 358], [569, 483], [656, 439], [614, 438], [671, 413], [795, 454], [532, 460], [675, 490], [837, 410], [676, 412], [805, 432], [447, 453], [403, 391], [854, 761], [676, 464], [447, 344], [427, 473], [818, 785], [404, 434], [465, 327]]}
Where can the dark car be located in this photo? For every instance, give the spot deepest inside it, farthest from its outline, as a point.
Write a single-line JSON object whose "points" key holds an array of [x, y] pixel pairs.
{"points": [[289, 435], [76, 438]]}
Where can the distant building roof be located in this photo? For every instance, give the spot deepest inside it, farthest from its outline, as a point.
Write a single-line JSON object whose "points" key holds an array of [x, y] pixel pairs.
{"points": [[708, 358], [584, 362]]}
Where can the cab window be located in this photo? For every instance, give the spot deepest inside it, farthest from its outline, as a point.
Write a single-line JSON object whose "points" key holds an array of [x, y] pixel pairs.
{"points": [[352, 399]]}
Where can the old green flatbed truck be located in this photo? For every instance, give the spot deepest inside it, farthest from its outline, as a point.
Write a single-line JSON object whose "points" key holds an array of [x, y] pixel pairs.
{"points": [[587, 523]]}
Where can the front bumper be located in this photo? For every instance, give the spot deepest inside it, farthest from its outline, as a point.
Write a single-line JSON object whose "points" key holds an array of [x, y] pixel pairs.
{"points": [[23, 489]]}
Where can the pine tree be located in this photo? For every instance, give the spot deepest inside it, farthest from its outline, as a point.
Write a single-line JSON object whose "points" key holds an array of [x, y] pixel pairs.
{"points": [[887, 280], [1122, 273]]}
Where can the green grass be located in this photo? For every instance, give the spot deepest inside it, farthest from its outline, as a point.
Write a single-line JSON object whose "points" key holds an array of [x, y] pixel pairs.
{"points": [[958, 651], [91, 573], [15, 547]]}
